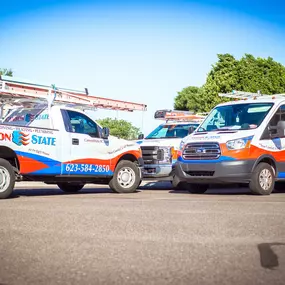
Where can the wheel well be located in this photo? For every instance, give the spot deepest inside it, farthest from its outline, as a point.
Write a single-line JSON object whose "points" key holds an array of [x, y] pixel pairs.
{"points": [[269, 161], [129, 157], [8, 154]]}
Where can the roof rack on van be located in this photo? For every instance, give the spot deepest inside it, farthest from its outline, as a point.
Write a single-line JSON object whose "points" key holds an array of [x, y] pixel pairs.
{"points": [[14, 90], [178, 115], [241, 95]]}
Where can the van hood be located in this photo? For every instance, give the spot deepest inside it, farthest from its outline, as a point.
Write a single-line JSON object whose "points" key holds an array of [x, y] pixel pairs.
{"points": [[219, 136]]}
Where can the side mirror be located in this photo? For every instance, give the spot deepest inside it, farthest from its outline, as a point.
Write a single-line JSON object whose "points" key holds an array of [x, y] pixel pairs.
{"points": [[141, 137], [281, 129], [105, 133], [191, 130]]}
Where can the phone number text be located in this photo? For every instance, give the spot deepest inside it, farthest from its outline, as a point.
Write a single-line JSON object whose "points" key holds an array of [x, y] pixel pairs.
{"points": [[70, 167]]}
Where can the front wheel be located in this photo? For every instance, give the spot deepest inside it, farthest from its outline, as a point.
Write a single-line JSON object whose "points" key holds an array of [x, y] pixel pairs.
{"points": [[262, 180], [70, 187], [7, 179], [126, 178]]}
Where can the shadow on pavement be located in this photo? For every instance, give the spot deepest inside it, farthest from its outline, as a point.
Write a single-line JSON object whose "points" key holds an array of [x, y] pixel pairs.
{"points": [[57, 192], [268, 258]]}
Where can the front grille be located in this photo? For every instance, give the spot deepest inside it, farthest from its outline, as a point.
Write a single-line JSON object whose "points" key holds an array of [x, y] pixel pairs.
{"points": [[200, 173], [149, 154], [201, 151]]}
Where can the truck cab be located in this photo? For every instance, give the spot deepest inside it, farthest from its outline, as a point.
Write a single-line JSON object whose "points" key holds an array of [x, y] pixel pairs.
{"points": [[238, 142], [159, 148]]}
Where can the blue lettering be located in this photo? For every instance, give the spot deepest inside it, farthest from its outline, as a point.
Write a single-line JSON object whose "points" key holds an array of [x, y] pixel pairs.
{"points": [[43, 140]]}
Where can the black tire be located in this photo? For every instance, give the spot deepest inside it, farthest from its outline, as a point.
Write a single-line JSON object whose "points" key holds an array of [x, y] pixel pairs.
{"points": [[198, 188], [7, 173], [256, 186], [129, 168], [70, 187]]}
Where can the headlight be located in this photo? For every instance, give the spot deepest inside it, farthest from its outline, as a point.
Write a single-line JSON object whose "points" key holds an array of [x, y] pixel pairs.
{"points": [[239, 143], [164, 155], [181, 145]]}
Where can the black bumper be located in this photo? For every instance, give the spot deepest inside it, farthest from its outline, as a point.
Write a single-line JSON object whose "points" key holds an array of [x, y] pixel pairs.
{"points": [[212, 173]]}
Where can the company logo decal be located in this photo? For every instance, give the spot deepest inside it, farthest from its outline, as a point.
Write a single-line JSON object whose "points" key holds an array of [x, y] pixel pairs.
{"points": [[20, 138]]}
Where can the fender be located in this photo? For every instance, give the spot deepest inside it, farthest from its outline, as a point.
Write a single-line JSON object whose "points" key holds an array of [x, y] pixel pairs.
{"points": [[266, 157]]}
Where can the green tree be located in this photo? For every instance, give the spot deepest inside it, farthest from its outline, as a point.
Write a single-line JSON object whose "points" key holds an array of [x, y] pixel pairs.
{"points": [[120, 128], [6, 71], [248, 74]]}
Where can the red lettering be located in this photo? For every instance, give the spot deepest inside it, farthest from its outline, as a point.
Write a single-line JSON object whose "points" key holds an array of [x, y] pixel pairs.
{"points": [[5, 137]]}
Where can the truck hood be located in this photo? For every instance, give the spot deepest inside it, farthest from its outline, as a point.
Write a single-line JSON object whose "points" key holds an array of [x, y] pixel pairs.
{"points": [[219, 136], [175, 142]]}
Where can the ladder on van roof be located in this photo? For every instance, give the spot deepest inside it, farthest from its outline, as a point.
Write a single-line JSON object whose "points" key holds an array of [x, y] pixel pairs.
{"points": [[14, 91], [241, 95]]}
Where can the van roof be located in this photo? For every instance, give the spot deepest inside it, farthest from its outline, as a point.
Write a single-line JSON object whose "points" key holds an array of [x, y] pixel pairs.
{"points": [[251, 101]]}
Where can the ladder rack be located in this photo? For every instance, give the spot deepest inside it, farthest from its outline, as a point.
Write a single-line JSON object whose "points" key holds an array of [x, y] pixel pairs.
{"points": [[12, 90], [241, 95], [179, 116]]}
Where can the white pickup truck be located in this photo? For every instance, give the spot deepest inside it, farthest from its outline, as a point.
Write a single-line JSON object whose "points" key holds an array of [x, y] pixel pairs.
{"points": [[64, 146]]}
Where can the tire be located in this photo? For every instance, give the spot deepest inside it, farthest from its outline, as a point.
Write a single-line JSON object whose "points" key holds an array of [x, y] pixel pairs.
{"points": [[258, 184], [198, 188], [7, 179], [131, 173], [70, 187]]}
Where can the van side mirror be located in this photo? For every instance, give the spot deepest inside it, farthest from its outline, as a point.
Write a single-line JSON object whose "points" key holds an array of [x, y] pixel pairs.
{"points": [[281, 129], [191, 130], [140, 136], [105, 133]]}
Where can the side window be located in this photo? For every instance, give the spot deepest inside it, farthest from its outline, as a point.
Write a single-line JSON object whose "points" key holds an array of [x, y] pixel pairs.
{"points": [[81, 124], [278, 116]]}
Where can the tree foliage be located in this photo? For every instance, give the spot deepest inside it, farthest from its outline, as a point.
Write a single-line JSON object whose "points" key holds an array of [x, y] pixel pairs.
{"points": [[120, 128], [6, 71], [248, 74]]}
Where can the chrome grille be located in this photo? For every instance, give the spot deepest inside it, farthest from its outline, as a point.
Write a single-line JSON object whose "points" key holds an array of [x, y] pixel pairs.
{"points": [[201, 151]]}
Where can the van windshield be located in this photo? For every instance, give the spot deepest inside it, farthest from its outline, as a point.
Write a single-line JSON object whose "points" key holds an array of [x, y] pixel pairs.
{"points": [[243, 116], [171, 131]]}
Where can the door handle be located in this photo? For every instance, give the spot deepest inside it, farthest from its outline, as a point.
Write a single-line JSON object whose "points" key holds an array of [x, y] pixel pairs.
{"points": [[75, 141]]}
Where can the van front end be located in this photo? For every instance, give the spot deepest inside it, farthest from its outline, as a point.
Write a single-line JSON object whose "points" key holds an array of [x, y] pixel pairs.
{"points": [[214, 163]]}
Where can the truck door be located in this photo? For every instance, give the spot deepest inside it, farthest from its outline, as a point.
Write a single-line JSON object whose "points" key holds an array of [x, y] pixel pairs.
{"points": [[88, 151], [273, 143]]}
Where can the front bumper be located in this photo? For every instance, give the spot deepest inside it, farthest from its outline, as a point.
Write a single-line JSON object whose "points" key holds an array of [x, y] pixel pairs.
{"points": [[157, 170], [238, 171]]}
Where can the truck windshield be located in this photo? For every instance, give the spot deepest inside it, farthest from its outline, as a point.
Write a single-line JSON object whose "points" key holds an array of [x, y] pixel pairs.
{"points": [[171, 131], [243, 116]]}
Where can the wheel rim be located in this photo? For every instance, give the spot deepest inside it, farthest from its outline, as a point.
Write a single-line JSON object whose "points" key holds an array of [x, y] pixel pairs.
{"points": [[126, 177], [4, 179], [265, 179]]}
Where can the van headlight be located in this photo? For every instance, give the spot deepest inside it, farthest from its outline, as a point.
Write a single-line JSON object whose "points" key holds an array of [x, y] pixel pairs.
{"points": [[164, 155], [239, 143]]}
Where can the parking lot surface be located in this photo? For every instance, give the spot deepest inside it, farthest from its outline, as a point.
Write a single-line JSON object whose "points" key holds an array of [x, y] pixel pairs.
{"points": [[154, 236]]}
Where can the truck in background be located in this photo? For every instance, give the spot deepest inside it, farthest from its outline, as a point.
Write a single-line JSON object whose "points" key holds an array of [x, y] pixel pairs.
{"points": [[159, 148], [240, 141], [47, 136]]}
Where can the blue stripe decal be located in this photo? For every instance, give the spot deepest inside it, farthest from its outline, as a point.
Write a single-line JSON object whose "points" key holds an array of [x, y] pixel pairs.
{"points": [[220, 159], [37, 157], [281, 175]]}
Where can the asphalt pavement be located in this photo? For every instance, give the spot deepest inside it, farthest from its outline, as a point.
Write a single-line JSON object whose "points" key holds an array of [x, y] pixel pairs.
{"points": [[155, 236]]}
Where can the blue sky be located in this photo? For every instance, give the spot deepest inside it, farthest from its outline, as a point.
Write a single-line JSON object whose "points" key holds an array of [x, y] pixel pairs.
{"points": [[141, 51]]}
